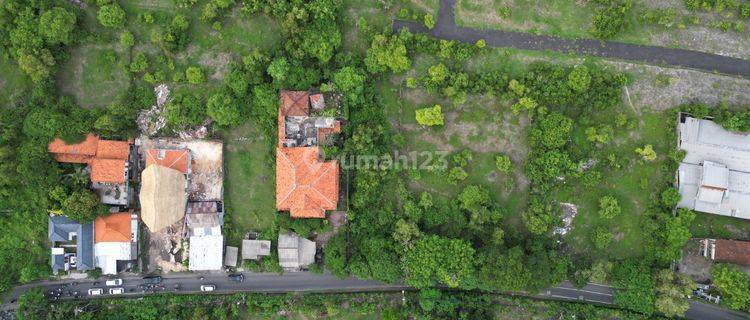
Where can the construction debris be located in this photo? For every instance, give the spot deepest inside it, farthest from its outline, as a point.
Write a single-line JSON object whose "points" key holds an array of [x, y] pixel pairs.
{"points": [[152, 120]]}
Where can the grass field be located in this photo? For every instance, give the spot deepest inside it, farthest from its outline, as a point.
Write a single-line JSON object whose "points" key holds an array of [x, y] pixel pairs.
{"points": [[13, 83], [93, 75], [249, 180]]}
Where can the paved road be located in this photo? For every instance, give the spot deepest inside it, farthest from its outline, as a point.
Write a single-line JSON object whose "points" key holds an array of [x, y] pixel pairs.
{"points": [[445, 28], [308, 282]]}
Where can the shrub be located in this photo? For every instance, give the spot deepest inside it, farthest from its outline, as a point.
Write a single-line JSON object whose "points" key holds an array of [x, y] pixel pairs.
{"points": [[503, 163], [429, 21], [194, 75], [647, 152], [579, 79], [462, 158], [481, 43], [611, 19], [127, 39], [601, 238], [139, 63], [670, 197], [608, 207], [456, 175], [430, 116]]}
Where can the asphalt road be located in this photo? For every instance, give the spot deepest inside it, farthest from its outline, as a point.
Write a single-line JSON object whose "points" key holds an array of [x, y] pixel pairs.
{"points": [[308, 282], [445, 28]]}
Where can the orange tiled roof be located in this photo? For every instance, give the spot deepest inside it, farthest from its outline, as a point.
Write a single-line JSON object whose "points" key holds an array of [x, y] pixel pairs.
{"points": [[294, 103], [174, 159], [108, 170], [115, 227], [110, 149], [80, 152], [323, 132], [305, 186]]}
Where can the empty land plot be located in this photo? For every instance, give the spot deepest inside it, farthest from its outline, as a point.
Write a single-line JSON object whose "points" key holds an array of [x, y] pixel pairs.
{"points": [[250, 187], [13, 83], [93, 75]]}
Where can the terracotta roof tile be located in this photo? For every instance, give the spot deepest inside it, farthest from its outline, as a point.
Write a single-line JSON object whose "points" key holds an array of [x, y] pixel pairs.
{"points": [[110, 149], [305, 186], [115, 227], [732, 251], [294, 103], [174, 159], [83, 149], [108, 170], [323, 132]]}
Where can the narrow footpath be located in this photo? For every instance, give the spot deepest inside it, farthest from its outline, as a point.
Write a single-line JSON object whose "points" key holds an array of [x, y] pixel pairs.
{"points": [[445, 28]]}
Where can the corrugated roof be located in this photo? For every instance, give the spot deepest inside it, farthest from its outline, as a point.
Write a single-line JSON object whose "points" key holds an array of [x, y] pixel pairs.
{"points": [[295, 252], [115, 227], [732, 251], [254, 249], [206, 253], [230, 256]]}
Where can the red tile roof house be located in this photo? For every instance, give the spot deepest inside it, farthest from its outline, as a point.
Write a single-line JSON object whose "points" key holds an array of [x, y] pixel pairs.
{"points": [[726, 251], [306, 186], [107, 161]]}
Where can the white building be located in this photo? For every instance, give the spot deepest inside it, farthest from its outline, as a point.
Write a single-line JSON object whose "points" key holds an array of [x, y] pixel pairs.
{"points": [[714, 177]]}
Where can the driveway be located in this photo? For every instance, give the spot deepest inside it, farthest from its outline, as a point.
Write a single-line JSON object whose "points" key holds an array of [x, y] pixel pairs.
{"points": [[445, 28]]}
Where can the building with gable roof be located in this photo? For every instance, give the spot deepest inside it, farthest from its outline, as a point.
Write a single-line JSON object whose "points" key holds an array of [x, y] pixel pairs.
{"points": [[115, 241], [306, 186], [72, 244], [108, 162]]}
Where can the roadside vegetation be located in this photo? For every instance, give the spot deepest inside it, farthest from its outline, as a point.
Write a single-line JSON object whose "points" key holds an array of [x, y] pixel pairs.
{"points": [[494, 144]]}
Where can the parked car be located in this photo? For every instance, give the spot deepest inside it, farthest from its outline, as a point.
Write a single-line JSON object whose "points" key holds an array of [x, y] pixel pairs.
{"points": [[152, 280], [114, 282], [95, 291], [237, 277], [116, 290], [208, 287]]}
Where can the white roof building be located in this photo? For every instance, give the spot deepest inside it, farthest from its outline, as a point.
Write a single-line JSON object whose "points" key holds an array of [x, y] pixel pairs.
{"points": [[714, 177], [108, 253], [295, 252], [206, 253]]}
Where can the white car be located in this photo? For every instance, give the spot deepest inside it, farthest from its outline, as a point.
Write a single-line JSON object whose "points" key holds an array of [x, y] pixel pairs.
{"points": [[116, 290], [96, 291], [114, 282], [208, 287]]}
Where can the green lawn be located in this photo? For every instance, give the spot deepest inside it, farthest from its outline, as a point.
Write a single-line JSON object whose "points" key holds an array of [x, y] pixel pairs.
{"points": [[13, 83], [249, 180], [716, 226], [93, 75]]}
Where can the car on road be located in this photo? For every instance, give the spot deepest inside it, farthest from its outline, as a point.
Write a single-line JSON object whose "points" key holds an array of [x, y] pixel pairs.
{"points": [[208, 287], [237, 277], [152, 280], [116, 290], [95, 291], [114, 282]]}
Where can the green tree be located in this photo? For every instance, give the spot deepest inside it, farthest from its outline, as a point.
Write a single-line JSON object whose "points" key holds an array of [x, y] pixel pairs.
{"points": [[506, 271], [32, 305], [335, 255], [350, 81], [111, 16], [733, 285], [127, 39], [474, 199], [601, 237], [552, 131], [278, 70], [435, 260], [223, 109], [670, 197], [428, 298], [456, 175], [194, 75], [139, 63], [635, 286], [539, 217], [672, 290], [387, 53], [37, 63], [609, 207], [579, 79], [56, 25], [430, 116], [83, 206], [183, 110]]}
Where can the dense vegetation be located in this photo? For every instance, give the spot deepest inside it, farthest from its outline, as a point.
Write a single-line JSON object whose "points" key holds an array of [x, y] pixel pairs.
{"points": [[431, 304]]}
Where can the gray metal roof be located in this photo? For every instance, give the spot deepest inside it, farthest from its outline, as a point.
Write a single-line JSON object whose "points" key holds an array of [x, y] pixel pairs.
{"points": [[60, 228], [295, 252], [230, 256], [58, 262], [254, 249], [85, 248]]}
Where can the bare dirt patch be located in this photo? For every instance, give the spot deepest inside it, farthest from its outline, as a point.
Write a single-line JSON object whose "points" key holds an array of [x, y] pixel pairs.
{"points": [[216, 61]]}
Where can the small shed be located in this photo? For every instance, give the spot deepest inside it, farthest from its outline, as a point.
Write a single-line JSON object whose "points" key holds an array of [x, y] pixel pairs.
{"points": [[255, 249], [230, 256]]}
